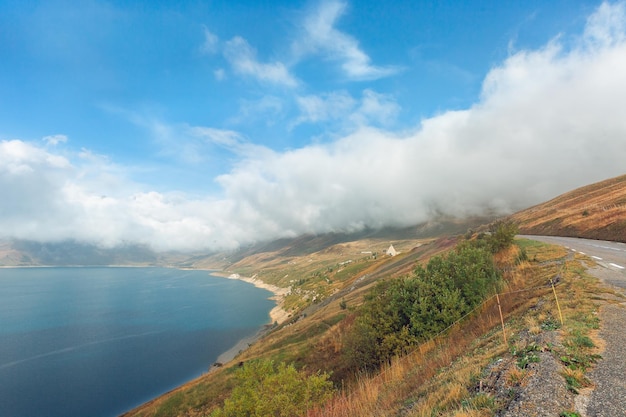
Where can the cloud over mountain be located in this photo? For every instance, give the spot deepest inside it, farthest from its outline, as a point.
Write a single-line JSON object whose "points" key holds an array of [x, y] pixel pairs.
{"points": [[547, 120]]}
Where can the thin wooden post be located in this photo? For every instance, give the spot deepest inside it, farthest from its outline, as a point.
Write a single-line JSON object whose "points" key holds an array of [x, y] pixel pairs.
{"points": [[501, 318], [557, 302]]}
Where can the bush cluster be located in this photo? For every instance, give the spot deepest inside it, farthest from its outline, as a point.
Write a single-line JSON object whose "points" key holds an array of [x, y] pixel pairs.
{"points": [[400, 313], [264, 388], [502, 235]]}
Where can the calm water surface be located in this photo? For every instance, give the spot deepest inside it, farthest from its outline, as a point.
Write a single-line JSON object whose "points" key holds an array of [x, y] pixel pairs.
{"points": [[99, 341]]}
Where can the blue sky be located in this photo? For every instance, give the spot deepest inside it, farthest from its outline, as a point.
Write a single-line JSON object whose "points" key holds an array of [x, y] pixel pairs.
{"points": [[210, 124]]}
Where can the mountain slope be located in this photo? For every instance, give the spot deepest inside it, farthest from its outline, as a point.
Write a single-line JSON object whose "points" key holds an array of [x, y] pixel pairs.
{"points": [[341, 272], [596, 211]]}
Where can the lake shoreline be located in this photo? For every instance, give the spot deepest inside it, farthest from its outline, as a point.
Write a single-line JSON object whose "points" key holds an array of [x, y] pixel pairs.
{"points": [[278, 314]]}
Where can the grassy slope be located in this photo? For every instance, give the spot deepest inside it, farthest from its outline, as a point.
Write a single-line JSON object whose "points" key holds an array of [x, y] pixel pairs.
{"points": [[470, 371], [596, 211], [315, 267]]}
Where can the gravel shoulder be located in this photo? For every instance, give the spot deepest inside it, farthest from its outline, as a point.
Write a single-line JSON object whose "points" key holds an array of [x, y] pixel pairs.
{"points": [[544, 393], [608, 397]]}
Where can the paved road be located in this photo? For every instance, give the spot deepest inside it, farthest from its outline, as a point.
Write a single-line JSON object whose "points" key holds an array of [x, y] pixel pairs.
{"points": [[610, 255], [608, 399]]}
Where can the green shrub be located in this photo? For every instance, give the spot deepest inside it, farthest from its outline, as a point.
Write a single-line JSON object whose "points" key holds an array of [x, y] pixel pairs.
{"points": [[401, 312], [502, 235], [263, 388]]}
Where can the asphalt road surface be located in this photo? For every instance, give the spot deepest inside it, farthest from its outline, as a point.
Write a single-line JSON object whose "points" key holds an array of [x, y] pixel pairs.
{"points": [[610, 255]]}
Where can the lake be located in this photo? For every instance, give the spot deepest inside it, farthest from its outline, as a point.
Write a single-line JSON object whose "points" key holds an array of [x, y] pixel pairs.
{"points": [[100, 341]]}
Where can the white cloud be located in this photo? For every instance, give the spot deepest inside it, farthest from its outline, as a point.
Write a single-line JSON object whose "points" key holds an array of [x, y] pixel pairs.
{"points": [[211, 42], [176, 141], [606, 27], [54, 140], [38, 202], [47, 197], [269, 109], [321, 37], [378, 108], [181, 142], [548, 120], [323, 107], [227, 139], [371, 109], [242, 58]]}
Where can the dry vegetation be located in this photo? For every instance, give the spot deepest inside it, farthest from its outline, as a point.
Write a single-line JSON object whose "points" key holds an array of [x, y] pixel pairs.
{"points": [[450, 375], [596, 211]]}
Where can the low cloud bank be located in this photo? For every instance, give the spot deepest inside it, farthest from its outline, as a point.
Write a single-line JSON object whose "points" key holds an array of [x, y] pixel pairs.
{"points": [[547, 121]]}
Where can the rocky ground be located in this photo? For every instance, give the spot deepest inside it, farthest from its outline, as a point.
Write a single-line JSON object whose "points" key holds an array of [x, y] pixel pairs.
{"points": [[540, 389], [608, 398], [536, 391]]}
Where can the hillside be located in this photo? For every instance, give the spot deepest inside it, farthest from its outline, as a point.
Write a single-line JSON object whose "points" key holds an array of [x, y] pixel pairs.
{"points": [[596, 211], [329, 277], [468, 366], [303, 246]]}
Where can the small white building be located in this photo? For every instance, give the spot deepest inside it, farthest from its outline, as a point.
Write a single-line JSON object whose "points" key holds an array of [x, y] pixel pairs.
{"points": [[391, 251]]}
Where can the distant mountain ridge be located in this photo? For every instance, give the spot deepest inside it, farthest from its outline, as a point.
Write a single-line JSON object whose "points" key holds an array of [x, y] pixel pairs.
{"points": [[595, 211], [72, 253]]}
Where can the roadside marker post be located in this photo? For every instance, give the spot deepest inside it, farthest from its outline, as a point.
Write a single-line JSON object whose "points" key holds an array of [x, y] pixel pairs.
{"points": [[501, 318], [557, 301]]}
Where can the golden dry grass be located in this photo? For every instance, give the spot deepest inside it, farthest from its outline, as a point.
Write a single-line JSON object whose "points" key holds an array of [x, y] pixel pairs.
{"points": [[437, 375], [596, 211]]}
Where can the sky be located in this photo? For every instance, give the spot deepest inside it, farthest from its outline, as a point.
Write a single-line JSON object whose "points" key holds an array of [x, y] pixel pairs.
{"points": [[208, 125]]}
